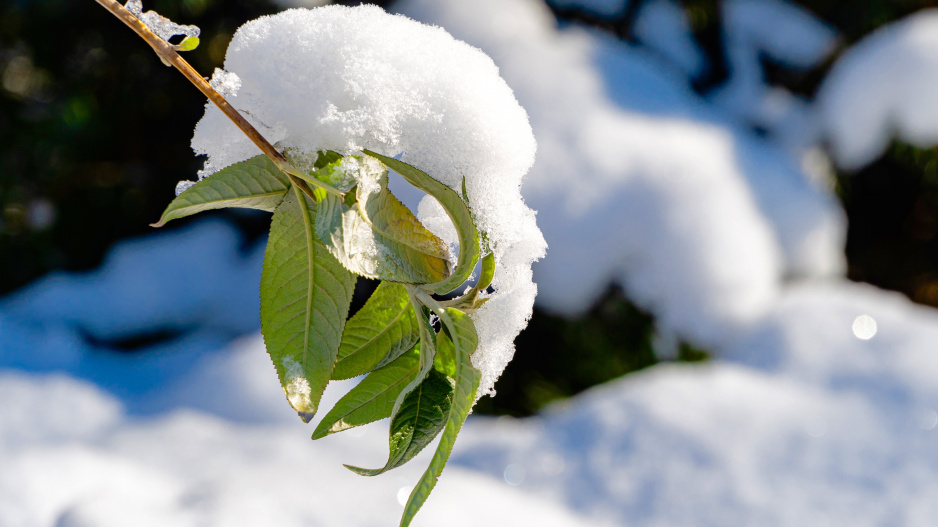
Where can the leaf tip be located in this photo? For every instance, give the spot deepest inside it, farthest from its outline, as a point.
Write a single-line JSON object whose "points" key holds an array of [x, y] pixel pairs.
{"points": [[306, 416], [363, 471], [158, 224], [320, 433]]}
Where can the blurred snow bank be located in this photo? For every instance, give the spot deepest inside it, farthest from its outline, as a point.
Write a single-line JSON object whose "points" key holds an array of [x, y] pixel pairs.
{"points": [[71, 458], [818, 423], [178, 296], [819, 420]]}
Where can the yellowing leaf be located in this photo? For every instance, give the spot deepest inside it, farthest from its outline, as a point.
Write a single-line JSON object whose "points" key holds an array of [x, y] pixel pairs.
{"points": [[458, 212], [377, 236]]}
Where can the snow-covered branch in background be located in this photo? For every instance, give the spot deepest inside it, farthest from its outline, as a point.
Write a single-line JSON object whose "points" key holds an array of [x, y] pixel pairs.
{"points": [[881, 87]]}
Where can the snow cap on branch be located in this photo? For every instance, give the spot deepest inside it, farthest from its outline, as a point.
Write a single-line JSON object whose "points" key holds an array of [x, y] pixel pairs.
{"points": [[353, 78], [883, 86]]}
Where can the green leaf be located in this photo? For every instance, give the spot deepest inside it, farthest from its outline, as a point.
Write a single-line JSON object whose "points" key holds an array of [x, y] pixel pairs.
{"points": [[455, 347], [488, 273], [373, 398], [378, 236], [326, 158], [305, 297], [417, 422], [458, 213], [253, 184], [188, 44], [427, 350], [380, 332], [407, 395]]}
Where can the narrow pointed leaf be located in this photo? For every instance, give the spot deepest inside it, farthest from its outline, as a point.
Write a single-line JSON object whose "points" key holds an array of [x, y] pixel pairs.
{"points": [[305, 297], [411, 393], [253, 184], [458, 213], [455, 347], [420, 418], [427, 351], [380, 332], [373, 398], [376, 235]]}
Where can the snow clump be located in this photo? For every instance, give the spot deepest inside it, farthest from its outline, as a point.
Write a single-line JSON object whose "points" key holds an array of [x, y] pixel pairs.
{"points": [[354, 78], [225, 83], [159, 24]]}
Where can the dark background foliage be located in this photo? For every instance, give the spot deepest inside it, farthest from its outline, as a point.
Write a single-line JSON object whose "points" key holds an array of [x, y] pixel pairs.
{"points": [[94, 134]]}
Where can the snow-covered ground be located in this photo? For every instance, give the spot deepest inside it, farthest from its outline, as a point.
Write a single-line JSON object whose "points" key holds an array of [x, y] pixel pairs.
{"points": [[821, 408]]}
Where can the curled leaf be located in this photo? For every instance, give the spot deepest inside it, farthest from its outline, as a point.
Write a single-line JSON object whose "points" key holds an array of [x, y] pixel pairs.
{"points": [[376, 235], [458, 213]]}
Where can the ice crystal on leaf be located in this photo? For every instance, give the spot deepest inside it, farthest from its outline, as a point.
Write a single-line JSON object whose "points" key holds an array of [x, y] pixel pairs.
{"points": [[159, 24]]}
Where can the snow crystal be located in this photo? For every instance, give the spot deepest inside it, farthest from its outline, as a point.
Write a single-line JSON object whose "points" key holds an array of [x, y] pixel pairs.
{"points": [[881, 86], [225, 83], [346, 79], [296, 385], [183, 186], [159, 24], [134, 6], [207, 170]]}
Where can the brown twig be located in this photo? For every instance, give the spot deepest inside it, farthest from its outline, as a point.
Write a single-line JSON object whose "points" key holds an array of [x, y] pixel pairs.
{"points": [[168, 54]]}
